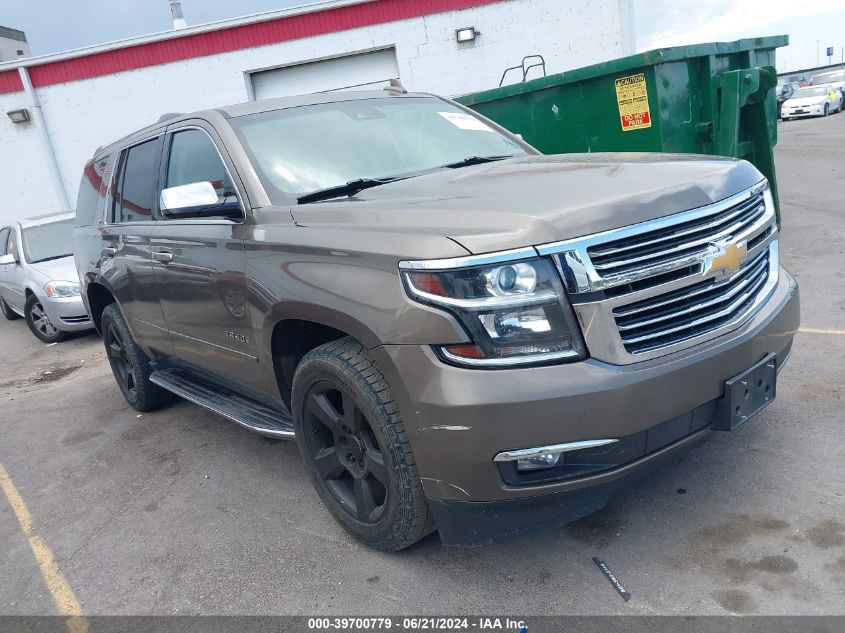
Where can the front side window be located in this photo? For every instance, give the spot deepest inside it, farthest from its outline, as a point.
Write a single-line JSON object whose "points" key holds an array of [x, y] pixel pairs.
{"points": [[194, 160], [47, 241], [12, 244], [301, 150], [135, 196]]}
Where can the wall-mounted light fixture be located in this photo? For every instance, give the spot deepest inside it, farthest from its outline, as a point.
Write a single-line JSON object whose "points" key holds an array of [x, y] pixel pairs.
{"points": [[467, 34], [18, 116]]}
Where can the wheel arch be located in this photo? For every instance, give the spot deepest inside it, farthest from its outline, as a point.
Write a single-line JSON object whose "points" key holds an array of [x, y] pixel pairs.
{"points": [[294, 329]]}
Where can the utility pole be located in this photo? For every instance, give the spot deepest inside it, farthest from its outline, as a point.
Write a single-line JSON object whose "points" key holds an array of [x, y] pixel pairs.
{"points": [[817, 52]]}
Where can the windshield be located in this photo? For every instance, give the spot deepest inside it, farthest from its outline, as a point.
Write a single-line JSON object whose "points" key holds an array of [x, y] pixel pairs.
{"points": [[810, 92], [305, 149], [827, 78], [47, 241]]}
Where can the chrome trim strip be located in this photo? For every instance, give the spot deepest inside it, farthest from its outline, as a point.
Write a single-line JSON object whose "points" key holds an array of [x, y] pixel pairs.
{"points": [[650, 225], [554, 449], [624, 313], [512, 361], [681, 247], [483, 303], [700, 321], [753, 278], [469, 260], [696, 229]]}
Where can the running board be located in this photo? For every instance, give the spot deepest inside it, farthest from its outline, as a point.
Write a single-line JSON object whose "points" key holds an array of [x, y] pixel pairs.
{"points": [[248, 413]]}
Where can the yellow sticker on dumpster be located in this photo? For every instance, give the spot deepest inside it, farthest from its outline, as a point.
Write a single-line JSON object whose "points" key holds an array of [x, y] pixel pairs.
{"points": [[632, 96]]}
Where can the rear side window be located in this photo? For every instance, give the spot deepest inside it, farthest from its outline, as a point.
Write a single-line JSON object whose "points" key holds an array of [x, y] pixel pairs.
{"points": [[135, 197], [4, 237], [92, 191]]}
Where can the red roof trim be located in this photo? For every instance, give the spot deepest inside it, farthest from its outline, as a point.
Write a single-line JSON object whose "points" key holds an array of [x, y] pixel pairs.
{"points": [[281, 29], [10, 81]]}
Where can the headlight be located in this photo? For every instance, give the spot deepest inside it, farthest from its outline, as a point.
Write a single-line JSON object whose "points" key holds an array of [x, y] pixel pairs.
{"points": [[515, 313], [61, 289]]}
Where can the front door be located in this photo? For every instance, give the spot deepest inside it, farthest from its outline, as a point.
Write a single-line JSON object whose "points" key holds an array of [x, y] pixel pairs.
{"points": [[198, 258], [14, 292]]}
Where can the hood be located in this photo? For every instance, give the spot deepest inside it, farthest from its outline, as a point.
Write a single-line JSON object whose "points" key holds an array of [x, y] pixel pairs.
{"points": [[536, 199], [805, 101], [63, 269]]}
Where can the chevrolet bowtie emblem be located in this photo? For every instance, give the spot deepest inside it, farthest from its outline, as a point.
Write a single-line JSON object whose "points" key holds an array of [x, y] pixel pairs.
{"points": [[724, 259]]}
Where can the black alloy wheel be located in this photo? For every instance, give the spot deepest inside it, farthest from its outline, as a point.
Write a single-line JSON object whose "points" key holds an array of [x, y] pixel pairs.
{"points": [[345, 451], [119, 358]]}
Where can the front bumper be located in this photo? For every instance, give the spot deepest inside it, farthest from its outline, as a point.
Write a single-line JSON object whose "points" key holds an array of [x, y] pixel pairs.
{"points": [[459, 419], [67, 313], [790, 113]]}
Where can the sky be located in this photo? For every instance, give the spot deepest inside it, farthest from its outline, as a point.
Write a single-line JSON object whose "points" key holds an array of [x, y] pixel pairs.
{"points": [[657, 22]]}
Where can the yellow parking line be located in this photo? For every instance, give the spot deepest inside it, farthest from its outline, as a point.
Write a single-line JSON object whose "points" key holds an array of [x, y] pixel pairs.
{"points": [[60, 590], [812, 330]]}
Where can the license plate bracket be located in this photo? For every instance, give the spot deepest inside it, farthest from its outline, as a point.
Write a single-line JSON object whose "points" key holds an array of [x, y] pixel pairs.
{"points": [[747, 394]]}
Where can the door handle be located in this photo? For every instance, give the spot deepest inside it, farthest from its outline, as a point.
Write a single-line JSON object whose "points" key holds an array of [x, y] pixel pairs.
{"points": [[109, 252], [162, 256]]}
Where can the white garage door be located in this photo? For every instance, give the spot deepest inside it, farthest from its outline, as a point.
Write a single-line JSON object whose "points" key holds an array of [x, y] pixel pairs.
{"points": [[361, 71]]}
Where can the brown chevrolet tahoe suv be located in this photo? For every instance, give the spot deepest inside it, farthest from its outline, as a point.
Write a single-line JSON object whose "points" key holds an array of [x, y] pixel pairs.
{"points": [[460, 334]]}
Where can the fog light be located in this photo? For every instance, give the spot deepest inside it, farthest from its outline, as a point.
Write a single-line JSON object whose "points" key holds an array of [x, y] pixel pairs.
{"points": [[538, 462]]}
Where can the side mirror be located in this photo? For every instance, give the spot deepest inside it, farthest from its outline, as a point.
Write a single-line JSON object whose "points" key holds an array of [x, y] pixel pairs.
{"points": [[196, 194], [7, 260], [198, 200]]}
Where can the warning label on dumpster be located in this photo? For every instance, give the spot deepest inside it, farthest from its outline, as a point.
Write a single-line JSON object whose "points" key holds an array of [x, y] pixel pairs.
{"points": [[632, 96]]}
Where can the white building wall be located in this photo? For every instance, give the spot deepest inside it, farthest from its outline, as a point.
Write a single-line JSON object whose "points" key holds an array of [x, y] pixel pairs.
{"points": [[83, 115]]}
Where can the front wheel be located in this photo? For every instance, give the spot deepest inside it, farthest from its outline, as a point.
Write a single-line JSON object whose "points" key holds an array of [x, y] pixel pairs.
{"points": [[129, 364], [39, 322], [353, 441], [826, 109]]}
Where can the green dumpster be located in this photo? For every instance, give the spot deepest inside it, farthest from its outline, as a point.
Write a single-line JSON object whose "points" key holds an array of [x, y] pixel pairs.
{"points": [[716, 98]]}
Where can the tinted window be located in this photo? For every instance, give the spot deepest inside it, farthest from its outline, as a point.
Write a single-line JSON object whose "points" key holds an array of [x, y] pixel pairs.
{"points": [[135, 198], [92, 191], [194, 158], [305, 149], [47, 241], [4, 237]]}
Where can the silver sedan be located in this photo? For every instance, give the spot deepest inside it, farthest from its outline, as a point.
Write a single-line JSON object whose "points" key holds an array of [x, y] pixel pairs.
{"points": [[38, 279]]}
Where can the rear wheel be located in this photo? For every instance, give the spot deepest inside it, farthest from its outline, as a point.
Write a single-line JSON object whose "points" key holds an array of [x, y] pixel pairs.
{"points": [[129, 364], [39, 322], [356, 449], [10, 314]]}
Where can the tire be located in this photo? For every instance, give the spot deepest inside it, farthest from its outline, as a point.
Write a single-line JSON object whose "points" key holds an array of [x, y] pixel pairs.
{"points": [[353, 441], [826, 109], [39, 322], [10, 314], [129, 364]]}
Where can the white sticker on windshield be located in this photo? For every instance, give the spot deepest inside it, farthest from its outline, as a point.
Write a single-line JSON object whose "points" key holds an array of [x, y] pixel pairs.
{"points": [[465, 121]]}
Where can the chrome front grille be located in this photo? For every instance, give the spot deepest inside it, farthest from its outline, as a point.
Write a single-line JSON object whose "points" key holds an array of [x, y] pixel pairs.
{"points": [[690, 311], [653, 288], [665, 245]]}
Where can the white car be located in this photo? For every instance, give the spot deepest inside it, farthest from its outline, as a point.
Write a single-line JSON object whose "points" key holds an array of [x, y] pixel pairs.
{"points": [[812, 101]]}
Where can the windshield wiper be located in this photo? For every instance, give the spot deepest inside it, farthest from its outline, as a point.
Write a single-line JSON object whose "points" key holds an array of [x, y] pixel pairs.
{"points": [[47, 259], [349, 189], [475, 160]]}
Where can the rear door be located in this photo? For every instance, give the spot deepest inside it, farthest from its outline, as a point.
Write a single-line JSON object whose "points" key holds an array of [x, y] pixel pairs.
{"points": [[198, 257], [126, 264]]}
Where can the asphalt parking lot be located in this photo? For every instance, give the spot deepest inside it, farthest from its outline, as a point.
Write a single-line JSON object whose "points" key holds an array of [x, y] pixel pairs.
{"points": [[181, 512]]}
